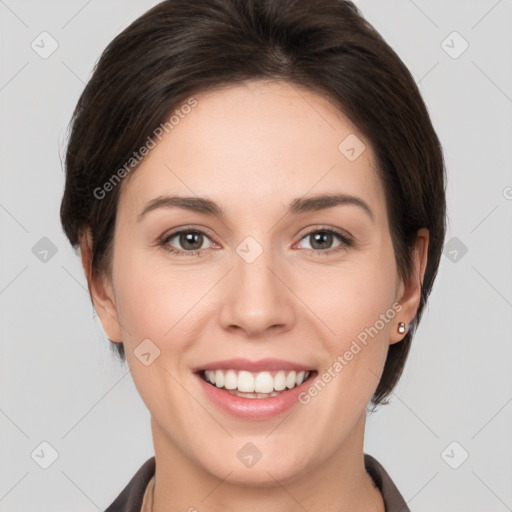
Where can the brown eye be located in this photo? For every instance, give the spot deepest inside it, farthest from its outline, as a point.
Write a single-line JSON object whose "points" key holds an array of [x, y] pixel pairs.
{"points": [[190, 242], [321, 241]]}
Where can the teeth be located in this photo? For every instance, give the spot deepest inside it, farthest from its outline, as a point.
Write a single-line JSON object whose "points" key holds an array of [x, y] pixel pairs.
{"points": [[290, 380], [262, 383], [245, 382], [219, 379], [280, 381], [230, 380], [254, 395]]}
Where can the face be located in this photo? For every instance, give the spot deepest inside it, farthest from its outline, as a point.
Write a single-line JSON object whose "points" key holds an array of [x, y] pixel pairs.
{"points": [[266, 294]]}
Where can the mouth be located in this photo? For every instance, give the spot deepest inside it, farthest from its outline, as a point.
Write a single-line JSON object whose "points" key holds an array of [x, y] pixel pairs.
{"points": [[254, 390], [255, 385]]}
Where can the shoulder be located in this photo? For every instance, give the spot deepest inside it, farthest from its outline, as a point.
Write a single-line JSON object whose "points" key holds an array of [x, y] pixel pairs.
{"points": [[130, 499], [393, 500]]}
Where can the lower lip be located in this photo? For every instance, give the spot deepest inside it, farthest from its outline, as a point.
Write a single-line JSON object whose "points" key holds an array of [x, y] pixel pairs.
{"points": [[253, 408]]}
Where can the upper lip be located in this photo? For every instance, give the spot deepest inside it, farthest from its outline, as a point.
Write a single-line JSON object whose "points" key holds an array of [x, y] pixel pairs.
{"points": [[269, 364]]}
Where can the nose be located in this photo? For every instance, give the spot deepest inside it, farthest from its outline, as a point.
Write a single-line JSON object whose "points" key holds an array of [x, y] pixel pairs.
{"points": [[258, 299]]}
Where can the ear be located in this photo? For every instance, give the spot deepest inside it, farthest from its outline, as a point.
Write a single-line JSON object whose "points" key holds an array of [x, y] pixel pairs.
{"points": [[409, 292], [100, 290]]}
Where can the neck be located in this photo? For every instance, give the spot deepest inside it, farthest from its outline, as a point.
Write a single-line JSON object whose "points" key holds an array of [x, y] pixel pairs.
{"points": [[181, 484]]}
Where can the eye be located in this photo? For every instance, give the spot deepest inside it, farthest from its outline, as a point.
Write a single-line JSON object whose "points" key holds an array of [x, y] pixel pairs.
{"points": [[322, 239], [191, 240]]}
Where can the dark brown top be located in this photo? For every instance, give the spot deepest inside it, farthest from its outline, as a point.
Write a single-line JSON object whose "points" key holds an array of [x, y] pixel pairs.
{"points": [[130, 499]]}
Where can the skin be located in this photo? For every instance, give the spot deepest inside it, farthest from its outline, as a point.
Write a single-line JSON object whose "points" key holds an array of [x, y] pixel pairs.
{"points": [[253, 148]]}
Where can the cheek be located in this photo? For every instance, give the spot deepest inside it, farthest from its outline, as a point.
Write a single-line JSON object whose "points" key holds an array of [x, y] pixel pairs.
{"points": [[354, 297], [361, 311], [158, 301], [154, 303], [145, 297]]}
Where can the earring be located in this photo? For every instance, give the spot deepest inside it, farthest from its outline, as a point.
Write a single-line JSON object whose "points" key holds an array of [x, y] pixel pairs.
{"points": [[401, 327]]}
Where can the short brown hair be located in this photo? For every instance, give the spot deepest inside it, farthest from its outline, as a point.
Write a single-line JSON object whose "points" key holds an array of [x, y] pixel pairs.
{"points": [[179, 48]]}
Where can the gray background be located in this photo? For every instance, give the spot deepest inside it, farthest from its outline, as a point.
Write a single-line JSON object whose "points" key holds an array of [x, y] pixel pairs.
{"points": [[59, 382]]}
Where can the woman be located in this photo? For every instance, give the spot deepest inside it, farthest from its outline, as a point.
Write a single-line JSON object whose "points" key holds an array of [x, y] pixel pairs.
{"points": [[288, 144]]}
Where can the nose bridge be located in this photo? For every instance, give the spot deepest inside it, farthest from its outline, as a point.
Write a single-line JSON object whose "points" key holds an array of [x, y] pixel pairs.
{"points": [[257, 299]]}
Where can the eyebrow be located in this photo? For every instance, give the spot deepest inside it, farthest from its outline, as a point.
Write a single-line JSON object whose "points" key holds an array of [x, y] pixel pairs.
{"points": [[296, 207]]}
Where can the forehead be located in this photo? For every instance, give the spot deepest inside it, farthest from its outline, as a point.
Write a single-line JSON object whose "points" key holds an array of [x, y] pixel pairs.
{"points": [[256, 144]]}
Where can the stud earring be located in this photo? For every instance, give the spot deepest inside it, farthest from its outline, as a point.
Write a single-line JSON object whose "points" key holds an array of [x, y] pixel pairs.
{"points": [[401, 327]]}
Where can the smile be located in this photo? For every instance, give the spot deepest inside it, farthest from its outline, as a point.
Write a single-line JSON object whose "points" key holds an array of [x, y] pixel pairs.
{"points": [[246, 384], [254, 390]]}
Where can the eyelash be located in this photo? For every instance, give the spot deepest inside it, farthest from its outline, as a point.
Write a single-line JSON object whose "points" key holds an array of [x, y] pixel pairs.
{"points": [[346, 242]]}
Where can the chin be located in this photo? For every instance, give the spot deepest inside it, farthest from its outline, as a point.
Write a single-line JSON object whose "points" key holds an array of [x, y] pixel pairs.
{"points": [[250, 466]]}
